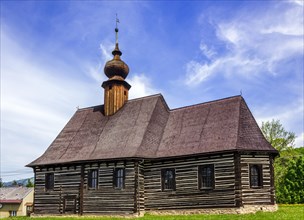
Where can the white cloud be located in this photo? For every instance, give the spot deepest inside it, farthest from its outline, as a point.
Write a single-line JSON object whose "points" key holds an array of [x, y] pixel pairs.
{"points": [[299, 142], [141, 86], [197, 72], [289, 116], [208, 52], [106, 49], [38, 98], [35, 105], [253, 46], [298, 2]]}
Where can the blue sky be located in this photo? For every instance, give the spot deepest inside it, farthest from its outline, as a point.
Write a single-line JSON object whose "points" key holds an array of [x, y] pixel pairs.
{"points": [[53, 54]]}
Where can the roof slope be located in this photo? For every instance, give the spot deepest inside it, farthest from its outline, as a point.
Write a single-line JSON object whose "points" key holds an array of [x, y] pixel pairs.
{"points": [[147, 128], [14, 194]]}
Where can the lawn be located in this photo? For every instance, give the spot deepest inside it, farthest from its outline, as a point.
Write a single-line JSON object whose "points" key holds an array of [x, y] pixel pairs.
{"points": [[288, 212]]}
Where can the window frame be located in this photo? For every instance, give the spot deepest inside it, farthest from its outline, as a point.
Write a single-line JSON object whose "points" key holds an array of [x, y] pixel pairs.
{"points": [[13, 213], [259, 176], [119, 184], [49, 181], [91, 178], [173, 184], [201, 178]]}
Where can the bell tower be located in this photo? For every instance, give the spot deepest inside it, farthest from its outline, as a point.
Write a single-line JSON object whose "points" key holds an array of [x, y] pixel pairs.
{"points": [[116, 89]]}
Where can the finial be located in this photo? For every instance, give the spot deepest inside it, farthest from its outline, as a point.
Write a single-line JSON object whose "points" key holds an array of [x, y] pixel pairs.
{"points": [[116, 29]]}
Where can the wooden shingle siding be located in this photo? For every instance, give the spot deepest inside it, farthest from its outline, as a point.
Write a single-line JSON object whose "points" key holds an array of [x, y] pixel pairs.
{"points": [[187, 193], [261, 195]]}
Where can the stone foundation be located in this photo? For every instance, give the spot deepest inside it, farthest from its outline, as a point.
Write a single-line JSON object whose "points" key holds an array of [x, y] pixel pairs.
{"points": [[234, 210], [241, 210]]}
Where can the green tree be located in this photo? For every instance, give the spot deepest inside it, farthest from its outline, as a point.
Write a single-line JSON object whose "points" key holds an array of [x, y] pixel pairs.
{"points": [[29, 183], [1, 183], [283, 141], [14, 183], [277, 136], [291, 188]]}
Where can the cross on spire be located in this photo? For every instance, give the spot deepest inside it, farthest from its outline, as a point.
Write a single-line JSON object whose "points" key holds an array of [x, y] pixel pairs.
{"points": [[116, 29]]}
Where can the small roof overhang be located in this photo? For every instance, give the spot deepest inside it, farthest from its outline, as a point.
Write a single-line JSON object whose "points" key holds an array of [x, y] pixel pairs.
{"points": [[14, 201]]}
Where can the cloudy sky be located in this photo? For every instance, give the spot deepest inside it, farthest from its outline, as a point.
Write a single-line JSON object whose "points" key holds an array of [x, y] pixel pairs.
{"points": [[53, 54]]}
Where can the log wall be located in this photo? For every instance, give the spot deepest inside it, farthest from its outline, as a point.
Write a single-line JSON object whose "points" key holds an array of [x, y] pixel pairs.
{"points": [[106, 199], [264, 194], [67, 183], [187, 193], [71, 194], [143, 190]]}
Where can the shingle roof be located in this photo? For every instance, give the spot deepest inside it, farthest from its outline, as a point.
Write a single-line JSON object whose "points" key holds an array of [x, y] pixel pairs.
{"points": [[147, 128], [13, 194]]}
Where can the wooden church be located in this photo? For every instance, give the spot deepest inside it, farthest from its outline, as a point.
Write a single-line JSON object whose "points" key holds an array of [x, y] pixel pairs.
{"points": [[128, 157]]}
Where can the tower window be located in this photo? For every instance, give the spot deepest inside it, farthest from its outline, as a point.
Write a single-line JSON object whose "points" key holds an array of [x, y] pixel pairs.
{"points": [[206, 177], [125, 93], [110, 87], [256, 176], [49, 181], [168, 179], [119, 178], [93, 179]]}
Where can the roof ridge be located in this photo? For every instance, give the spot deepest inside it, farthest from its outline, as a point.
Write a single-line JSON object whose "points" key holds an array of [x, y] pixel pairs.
{"points": [[144, 97], [205, 103], [86, 108], [239, 124], [130, 100], [67, 147], [163, 101]]}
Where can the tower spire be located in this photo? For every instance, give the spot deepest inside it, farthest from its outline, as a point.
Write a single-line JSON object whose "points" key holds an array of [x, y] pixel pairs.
{"points": [[115, 88], [116, 30]]}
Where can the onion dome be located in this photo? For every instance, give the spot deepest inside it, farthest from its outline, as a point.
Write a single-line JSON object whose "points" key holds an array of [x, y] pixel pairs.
{"points": [[116, 67]]}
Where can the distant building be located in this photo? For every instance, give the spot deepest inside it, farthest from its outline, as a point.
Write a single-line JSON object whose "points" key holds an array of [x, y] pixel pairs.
{"points": [[132, 156], [16, 201]]}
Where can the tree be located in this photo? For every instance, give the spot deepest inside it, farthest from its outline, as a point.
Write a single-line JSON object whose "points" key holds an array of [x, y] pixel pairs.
{"points": [[288, 174], [290, 189], [29, 183], [1, 183], [277, 136], [14, 183]]}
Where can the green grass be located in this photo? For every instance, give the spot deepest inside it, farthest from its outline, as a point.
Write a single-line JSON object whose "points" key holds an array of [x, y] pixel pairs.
{"points": [[288, 212]]}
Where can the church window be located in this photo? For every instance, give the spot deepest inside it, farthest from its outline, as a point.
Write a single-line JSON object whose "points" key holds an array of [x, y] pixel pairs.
{"points": [[255, 176], [49, 181], [168, 179], [206, 176], [93, 179], [119, 178]]}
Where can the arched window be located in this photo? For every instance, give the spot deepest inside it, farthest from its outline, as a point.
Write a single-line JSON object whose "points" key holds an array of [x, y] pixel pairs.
{"points": [[256, 176]]}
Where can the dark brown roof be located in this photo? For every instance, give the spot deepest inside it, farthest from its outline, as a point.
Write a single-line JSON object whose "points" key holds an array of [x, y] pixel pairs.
{"points": [[147, 128]]}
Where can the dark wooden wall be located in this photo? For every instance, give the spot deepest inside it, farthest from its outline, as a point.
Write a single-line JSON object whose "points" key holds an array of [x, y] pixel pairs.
{"points": [[265, 194], [187, 194], [106, 199], [143, 189], [69, 184]]}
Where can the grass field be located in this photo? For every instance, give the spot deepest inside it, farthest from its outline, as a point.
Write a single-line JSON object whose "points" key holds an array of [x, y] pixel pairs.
{"points": [[288, 212]]}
